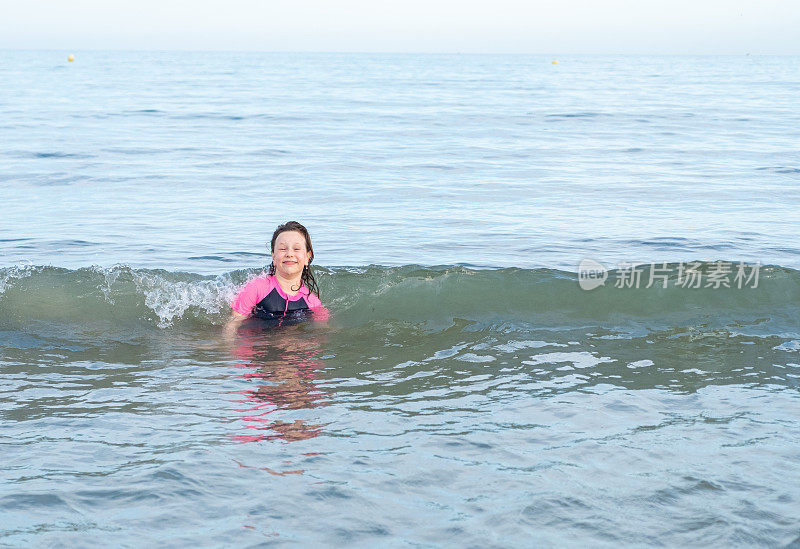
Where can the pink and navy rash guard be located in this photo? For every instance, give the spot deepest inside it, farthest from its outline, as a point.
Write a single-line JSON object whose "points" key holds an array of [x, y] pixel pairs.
{"points": [[264, 298]]}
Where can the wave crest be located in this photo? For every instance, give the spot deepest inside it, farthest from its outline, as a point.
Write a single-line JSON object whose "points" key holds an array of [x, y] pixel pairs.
{"points": [[358, 295]]}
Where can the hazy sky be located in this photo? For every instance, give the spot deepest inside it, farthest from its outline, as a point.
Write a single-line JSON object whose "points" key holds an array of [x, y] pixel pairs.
{"points": [[534, 26]]}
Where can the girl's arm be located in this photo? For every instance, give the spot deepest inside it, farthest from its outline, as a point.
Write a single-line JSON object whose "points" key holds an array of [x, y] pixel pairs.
{"points": [[236, 319], [253, 292]]}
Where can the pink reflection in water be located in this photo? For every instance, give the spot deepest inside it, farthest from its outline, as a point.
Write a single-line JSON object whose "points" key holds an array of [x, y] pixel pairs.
{"points": [[285, 359]]}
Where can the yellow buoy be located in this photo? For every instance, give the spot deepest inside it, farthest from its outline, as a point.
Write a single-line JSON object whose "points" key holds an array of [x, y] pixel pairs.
{"points": [[555, 62], [70, 58]]}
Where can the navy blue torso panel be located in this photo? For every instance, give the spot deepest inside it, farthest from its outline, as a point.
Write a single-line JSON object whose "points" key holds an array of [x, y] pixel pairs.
{"points": [[274, 305]]}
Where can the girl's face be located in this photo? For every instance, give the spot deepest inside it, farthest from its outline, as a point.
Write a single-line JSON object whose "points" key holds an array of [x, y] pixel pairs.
{"points": [[290, 255]]}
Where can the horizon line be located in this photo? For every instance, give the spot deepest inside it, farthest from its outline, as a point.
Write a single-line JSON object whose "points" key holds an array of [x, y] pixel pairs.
{"points": [[395, 52]]}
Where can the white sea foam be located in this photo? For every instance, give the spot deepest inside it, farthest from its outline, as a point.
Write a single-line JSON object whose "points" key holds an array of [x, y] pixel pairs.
{"points": [[472, 357], [789, 346], [640, 364], [171, 299], [581, 359], [512, 346], [8, 276]]}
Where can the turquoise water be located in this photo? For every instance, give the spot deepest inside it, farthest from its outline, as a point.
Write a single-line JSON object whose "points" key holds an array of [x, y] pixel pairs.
{"points": [[466, 390]]}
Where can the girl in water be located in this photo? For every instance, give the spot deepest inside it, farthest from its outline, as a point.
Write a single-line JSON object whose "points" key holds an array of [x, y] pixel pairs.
{"points": [[289, 286]]}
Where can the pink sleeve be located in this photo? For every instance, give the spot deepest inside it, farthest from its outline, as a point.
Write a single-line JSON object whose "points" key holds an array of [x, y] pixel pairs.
{"points": [[249, 296], [319, 313], [313, 301]]}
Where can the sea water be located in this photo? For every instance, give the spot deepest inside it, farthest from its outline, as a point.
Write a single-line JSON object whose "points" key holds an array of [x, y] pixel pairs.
{"points": [[467, 389]]}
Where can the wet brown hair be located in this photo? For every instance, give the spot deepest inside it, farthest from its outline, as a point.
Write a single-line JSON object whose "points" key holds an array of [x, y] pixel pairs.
{"points": [[307, 278]]}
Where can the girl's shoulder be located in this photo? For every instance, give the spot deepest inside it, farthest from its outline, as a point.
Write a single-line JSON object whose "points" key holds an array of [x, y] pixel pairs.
{"points": [[259, 285], [252, 292]]}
